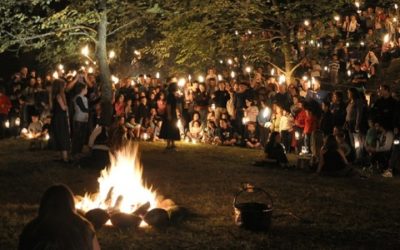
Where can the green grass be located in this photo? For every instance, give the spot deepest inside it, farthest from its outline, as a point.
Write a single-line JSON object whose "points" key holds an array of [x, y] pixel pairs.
{"points": [[310, 212]]}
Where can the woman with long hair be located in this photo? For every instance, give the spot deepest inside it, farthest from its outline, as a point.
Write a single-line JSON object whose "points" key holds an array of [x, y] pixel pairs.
{"points": [[274, 149], [332, 161], [169, 129], [57, 225], [60, 121]]}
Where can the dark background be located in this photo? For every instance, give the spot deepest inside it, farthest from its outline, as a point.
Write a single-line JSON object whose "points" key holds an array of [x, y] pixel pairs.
{"points": [[11, 63]]}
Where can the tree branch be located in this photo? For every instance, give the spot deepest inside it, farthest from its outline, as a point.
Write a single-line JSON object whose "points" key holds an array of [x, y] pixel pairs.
{"points": [[121, 27], [296, 66], [275, 66], [84, 34]]}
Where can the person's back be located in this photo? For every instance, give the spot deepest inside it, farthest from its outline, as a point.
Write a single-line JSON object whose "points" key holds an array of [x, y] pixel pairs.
{"points": [[57, 225], [58, 234], [274, 149]]}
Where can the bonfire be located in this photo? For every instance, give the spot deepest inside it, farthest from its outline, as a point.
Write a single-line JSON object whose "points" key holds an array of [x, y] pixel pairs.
{"points": [[123, 198]]}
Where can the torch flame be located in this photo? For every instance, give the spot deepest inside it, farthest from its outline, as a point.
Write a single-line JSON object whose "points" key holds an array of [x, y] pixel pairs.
{"points": [[121, 185]]}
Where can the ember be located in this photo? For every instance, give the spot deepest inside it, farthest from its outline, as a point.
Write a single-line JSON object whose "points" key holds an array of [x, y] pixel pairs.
{"points": [[122, 194]]}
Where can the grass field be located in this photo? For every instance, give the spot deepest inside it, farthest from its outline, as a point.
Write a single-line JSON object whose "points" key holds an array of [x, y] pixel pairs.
{"points": [[310, 212]]}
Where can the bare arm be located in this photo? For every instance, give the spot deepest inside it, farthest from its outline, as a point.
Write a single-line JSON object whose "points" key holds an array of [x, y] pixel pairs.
{"points": [[96, 245], [343, 157], [71, 84], [62, 103]]}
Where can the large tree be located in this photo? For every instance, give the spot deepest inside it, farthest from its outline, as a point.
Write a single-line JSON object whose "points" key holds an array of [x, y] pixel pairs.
{"points": [[196, 34], [57, 30]]}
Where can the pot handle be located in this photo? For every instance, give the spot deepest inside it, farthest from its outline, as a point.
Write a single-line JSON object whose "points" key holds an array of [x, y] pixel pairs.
{"points": [[249, 188]]}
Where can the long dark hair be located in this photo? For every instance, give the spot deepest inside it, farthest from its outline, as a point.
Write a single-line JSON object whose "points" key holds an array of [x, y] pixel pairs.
{"points": [[56, 201], [272, 138], [172, 88], [58, 85], [57, 225], [354, 93]]}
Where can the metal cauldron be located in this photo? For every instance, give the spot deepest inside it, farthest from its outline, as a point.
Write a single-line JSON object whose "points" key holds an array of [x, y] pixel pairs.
{"points": [[253, 215]]}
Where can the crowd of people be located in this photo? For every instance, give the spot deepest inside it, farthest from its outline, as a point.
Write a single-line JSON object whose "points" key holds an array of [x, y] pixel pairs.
{"points": [[66, 113], [258, 109]]}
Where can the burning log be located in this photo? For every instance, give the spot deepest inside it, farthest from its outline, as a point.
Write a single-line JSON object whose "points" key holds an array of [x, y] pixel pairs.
{"points": [[124, 195], [157, 217], [142, 210], [118, 203], [98, 217], [108, 199], [122, 220]]}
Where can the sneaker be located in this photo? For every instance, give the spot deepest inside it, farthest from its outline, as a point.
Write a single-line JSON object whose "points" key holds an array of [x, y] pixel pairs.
{"points": [[387, 174]]}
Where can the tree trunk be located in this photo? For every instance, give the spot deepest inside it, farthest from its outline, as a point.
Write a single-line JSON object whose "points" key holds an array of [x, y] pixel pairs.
{"points": [[288, 62], [105, 75]]}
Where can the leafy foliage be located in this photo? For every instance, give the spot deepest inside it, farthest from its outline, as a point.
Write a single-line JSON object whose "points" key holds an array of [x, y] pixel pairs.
{"points": [[175, 34], [58, 29], [201, 33]]}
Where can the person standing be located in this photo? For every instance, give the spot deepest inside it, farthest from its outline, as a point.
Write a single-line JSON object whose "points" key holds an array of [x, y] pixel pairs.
{"points": [[81, 118], [334, 67], [169, 129], [60, 122], [384, 109], [201, 102], [220, 98]]}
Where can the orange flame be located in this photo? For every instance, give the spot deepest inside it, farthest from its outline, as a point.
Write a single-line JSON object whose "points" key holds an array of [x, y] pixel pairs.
{"points": [[121, 186]]}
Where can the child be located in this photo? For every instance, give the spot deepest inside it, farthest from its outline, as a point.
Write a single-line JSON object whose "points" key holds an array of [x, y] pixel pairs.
{"points": [[195, 133], [133, 128], [226, 136], [251, 111], [146, 131], [81, 119], [35, 129], [210, 132], [251, 136], [276, 118], [286, 128]]}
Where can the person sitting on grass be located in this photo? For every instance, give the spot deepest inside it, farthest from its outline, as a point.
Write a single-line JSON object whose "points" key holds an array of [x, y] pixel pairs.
{"points": [[195, 117], [380, 154], [35, 129], [133, 128], [251, 136], [195, 133], [57, 225], [333, 161], [210, 132], [274, 150], [225, 134], [343, 145]]}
